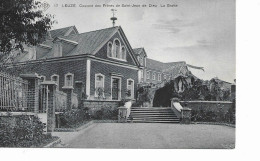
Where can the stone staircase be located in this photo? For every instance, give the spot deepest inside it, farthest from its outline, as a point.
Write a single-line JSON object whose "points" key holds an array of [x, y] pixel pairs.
{"points": [[153, 115]]}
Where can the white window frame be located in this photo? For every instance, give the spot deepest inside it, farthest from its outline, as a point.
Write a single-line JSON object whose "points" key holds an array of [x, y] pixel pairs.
{"points": [[153, 76], [148, 75], [65, 80], [114, 50], [102, 75], [142, 74], [58, 80], [165, 76], [113, 56], [159, 77], [110, 43], [120, 87], [133, 87]]}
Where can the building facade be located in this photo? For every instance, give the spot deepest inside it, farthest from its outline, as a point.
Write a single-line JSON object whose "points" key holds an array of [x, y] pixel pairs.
{"points": [[97, 65]]}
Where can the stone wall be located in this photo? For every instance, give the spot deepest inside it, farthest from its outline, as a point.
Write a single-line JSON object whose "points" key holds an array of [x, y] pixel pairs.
{"points": [[208, 105]]}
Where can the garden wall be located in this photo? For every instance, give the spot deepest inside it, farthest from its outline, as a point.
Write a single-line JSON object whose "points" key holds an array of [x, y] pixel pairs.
{"points": [[213, 106], [211, 111]]}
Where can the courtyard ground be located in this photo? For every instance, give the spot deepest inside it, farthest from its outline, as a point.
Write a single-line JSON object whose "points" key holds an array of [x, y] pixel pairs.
{"points": [[149, 135]]}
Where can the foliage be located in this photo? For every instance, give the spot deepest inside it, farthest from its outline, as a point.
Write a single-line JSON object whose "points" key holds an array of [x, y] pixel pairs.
{"points": [[163, 95], [73, 118], [100, 92], [22, 23], [106, 113], [202, 115], [145, 94], [197, 91], [21, 131]]}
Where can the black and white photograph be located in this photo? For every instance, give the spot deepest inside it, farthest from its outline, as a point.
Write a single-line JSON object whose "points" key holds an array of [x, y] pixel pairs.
{"points": [[118, 74]]}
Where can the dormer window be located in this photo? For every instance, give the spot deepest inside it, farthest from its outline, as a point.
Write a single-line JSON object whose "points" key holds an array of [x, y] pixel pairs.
{"points": [[69, 78], [116, 51], [141, 60]]}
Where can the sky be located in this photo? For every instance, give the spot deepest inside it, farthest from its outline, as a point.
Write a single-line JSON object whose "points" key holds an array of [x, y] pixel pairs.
{"points": [[200, 32]]}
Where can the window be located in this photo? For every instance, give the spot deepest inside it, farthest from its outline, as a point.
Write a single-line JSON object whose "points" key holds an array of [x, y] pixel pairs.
{"points": [[99, 85], [130, 88], [117, 49], [141, 60], [159, 77], [142, 74], [69, 80], [164, 76], [123, 53], [153, 76], [109, 49], [147, 75], [55, 78]]}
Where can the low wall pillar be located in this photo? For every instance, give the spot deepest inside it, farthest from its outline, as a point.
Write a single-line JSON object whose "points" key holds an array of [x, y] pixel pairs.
{"points": [[122, 114], [68, 91], [51, 104], [186, 115]]}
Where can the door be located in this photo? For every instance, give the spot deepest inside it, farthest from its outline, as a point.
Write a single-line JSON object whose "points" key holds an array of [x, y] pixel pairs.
{"points": [[115, 88]]}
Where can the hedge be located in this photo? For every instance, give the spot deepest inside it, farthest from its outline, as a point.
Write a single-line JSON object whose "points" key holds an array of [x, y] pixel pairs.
{"points": [[22, 131]]}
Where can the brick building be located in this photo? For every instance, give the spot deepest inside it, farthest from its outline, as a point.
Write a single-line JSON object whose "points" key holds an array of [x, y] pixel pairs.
{"points": [[99, 65]]}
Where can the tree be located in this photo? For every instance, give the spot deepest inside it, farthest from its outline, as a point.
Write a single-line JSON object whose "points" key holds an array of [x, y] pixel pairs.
{"points": [[22, 22]]}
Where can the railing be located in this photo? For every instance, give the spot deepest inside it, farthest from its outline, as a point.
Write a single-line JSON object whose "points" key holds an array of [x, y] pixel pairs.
{"points": [[13, 93]]}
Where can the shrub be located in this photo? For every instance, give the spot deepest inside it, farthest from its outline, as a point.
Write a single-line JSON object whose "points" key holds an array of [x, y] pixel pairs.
{"points": [[212, 116], [106, 113], [21, 131], [73, 118]]}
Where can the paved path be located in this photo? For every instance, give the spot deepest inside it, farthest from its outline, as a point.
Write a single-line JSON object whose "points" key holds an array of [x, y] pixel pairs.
{"points": [[146, 135]]}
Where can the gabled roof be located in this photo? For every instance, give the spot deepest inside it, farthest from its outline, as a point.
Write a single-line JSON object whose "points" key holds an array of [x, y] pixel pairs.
{"points": [[157, 65], [88, 42], [61, 31], [138, 51]]}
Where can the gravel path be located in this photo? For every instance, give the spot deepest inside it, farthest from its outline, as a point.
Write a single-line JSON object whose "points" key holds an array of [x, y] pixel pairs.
{"points": [[146, 135]]}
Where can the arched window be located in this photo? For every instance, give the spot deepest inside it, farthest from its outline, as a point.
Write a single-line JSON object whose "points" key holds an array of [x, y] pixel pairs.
{"points": [[117, 48], [130, 88], [153, 76], [99, 85], [109, 49], [69, 78], [159, 77], [55, 78], [123, 53]]}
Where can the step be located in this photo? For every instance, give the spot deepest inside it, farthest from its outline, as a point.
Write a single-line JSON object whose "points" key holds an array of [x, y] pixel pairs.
{"points": [[163, 114], [156, 121], [154, 116]]}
